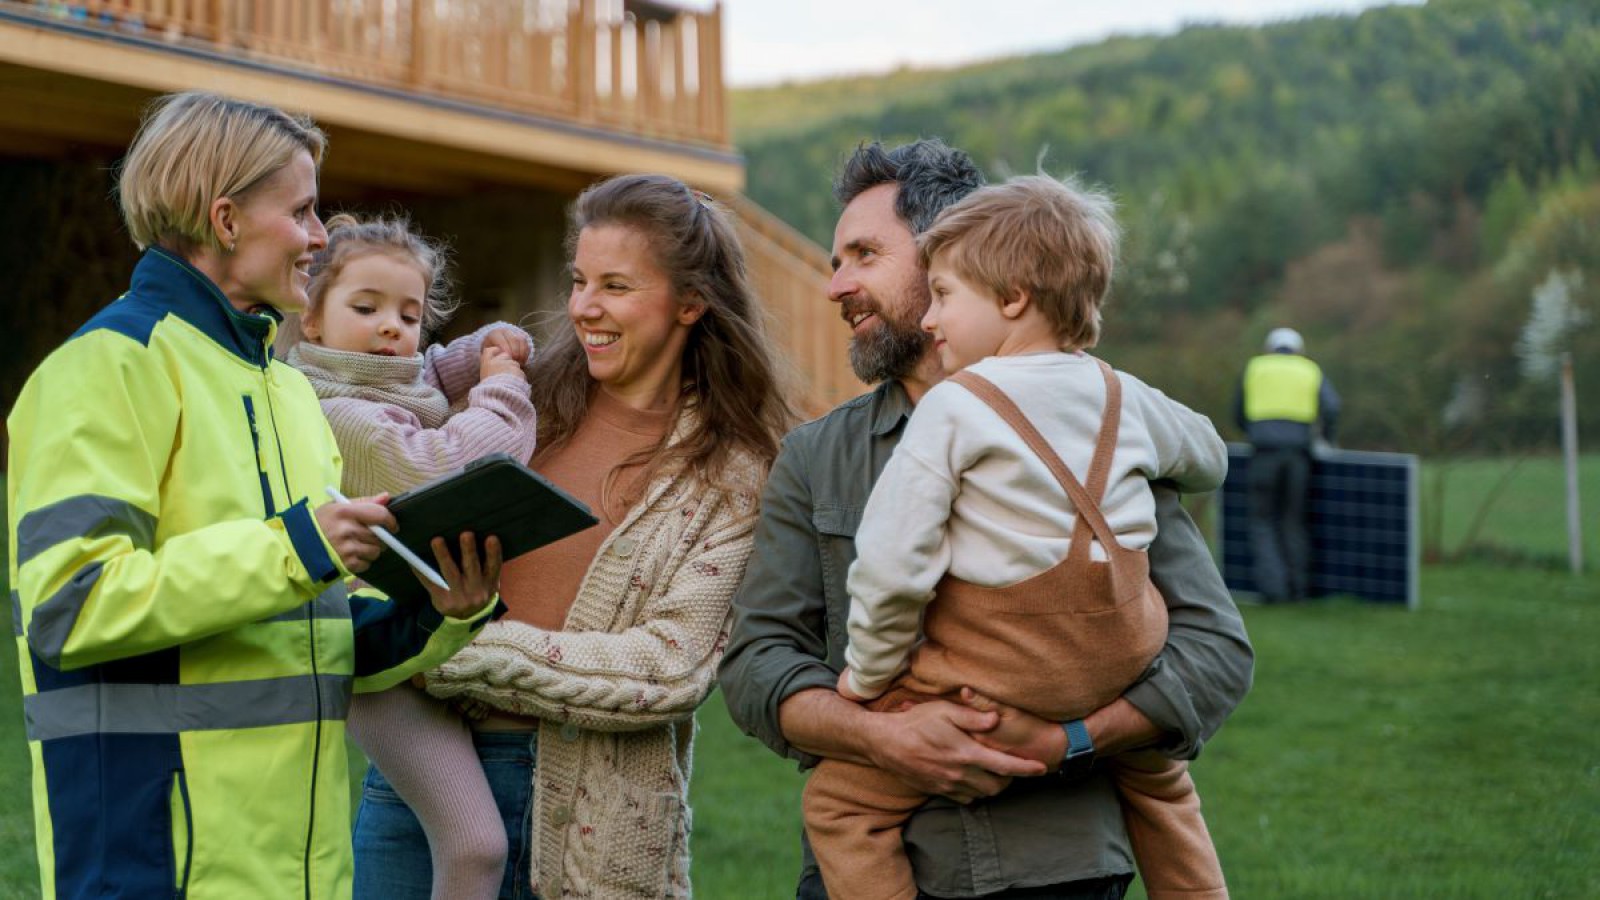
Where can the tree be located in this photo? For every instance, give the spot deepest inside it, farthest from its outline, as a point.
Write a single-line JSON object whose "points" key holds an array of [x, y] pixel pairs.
{"points": [[1557, 316]]}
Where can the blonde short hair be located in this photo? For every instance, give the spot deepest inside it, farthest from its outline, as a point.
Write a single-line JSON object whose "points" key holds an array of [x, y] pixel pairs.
{"points": [[1053, 240], [195, 147]]}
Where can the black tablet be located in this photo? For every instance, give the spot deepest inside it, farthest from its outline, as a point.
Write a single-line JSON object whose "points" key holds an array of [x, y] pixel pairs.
{"points": [[495, 495]]}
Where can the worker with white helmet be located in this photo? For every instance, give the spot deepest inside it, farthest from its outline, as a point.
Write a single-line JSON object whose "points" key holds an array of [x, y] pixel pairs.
{"points": [[1282, 403]]}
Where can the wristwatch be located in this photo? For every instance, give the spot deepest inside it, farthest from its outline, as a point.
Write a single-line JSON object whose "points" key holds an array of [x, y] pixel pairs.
{"points": [[1080, 750]]}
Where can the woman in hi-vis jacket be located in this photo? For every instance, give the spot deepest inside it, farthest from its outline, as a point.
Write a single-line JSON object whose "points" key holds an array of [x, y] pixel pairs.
{"points": [[188, 642]]}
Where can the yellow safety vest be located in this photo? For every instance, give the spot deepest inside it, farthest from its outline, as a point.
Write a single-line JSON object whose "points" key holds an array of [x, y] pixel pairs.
{"points": [[1281, 386]]}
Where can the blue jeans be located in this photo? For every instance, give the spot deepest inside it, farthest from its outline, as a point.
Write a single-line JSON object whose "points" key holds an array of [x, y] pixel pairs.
{"points": [[392, 850]]}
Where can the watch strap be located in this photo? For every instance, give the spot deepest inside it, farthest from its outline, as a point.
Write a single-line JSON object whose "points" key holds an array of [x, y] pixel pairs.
{"points": [[1079, 757]]}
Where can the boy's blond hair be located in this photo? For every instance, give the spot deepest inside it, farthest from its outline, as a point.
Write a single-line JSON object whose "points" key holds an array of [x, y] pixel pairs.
{"points": [[195, 147], [1053, 240]]}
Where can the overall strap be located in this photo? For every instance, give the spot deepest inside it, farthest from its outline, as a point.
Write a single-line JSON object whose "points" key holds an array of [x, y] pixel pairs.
{"points": [[1110, 424], [1088, 510]]}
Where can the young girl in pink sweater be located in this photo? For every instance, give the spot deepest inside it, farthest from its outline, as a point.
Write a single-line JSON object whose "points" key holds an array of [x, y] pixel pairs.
{"points": [[401, 418]]}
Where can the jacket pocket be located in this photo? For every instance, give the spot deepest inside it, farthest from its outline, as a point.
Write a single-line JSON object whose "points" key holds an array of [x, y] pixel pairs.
{"points": [[643, 834], [836, 543], [182, 831]]}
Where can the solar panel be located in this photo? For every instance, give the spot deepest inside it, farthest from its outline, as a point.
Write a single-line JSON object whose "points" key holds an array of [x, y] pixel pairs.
{"points": [[1363, 511]]}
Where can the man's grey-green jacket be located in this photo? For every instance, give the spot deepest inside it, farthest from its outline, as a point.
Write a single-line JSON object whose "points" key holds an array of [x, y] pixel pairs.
{"points": [[789, 635]]}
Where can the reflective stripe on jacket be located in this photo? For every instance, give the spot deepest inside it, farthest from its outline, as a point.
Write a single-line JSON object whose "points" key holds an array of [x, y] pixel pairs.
{"points": [[187, 641]]}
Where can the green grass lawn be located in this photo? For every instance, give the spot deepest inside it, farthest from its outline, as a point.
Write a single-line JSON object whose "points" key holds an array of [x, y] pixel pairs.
{"points": [[1526, 517], [1450, 751], [1446, 752]]}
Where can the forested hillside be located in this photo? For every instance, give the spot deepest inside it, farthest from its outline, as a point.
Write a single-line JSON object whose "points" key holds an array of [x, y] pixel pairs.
{"points": [[1398, 185]]}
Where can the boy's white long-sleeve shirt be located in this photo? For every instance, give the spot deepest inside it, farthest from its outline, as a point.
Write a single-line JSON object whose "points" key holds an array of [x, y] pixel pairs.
{"points": [[964, 494]]}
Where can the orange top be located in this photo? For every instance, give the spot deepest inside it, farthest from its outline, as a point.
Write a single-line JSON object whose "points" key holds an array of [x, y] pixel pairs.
{"points": [[539, 587]]}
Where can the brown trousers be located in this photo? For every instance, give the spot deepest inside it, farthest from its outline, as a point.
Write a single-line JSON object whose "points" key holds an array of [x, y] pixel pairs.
{"points": [[1060, 645]]}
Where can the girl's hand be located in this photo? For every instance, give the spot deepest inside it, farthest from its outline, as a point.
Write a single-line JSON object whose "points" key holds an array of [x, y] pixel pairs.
{"points": [[347, 528], [514, 341], [472, 586], [496, 361]]}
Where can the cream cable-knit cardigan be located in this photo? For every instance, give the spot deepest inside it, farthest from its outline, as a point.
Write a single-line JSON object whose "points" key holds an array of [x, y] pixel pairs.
{"points": [[617, 687]]}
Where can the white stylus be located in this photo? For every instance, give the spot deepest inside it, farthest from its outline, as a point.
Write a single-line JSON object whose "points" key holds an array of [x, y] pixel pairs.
{"points": [[393, 543]]}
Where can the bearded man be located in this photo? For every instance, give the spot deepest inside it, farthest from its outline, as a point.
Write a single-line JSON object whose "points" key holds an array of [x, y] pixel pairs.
{"points": [[998, 827]]}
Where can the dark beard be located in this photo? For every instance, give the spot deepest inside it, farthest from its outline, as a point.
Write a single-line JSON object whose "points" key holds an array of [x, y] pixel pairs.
{"points": [[891, 350]]}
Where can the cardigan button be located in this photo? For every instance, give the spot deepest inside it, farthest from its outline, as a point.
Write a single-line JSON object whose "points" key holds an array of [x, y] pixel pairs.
{"points": [[562, 815], [569, 732], [554, 888], [623, 546]]}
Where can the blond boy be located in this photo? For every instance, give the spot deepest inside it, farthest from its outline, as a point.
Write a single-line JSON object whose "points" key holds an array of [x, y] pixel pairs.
{"points": [[985, 563]]}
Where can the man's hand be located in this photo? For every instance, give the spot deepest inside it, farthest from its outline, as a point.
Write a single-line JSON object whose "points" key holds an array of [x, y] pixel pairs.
{"points": [[934, 747], [472, 586], [495, 360], [513, 342], [347, 526]]}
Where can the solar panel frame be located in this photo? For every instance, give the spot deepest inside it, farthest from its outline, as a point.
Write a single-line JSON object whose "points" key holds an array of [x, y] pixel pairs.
{"points": [[1365, 538]]}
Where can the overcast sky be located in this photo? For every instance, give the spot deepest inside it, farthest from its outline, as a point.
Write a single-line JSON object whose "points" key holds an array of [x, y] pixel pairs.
{"points": [[776, 40]]}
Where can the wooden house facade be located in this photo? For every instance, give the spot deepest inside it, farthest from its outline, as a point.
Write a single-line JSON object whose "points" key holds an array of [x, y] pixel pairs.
{"points": [[481, 118]]}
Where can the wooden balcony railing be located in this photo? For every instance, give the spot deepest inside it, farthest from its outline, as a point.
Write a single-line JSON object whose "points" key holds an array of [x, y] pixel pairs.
{"points": [[635, 66]]}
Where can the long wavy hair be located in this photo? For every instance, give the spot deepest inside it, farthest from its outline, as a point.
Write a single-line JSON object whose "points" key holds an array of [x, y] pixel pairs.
{"points": [[735, 378]]}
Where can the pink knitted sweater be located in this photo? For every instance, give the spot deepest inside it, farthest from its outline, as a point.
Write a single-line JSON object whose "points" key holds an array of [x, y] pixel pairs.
{"points": [[402, 422]]}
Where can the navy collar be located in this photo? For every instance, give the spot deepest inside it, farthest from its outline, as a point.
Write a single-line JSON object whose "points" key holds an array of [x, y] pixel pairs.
{"points": [[165, 278]]}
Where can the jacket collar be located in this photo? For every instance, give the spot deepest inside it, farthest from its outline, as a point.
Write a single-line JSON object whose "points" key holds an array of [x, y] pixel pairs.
{"points": [[890, 407], [164, 278]]}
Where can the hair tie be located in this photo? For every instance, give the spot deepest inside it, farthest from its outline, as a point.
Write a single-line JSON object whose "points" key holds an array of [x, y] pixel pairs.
{"points": [[698, 200]]}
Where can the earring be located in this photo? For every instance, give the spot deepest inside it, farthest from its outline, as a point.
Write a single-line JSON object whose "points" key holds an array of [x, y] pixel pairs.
{"points": [[232, 246]]}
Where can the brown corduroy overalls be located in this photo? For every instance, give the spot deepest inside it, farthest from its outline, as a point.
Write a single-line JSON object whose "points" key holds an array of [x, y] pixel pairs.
{"points": [[1059, 645]]}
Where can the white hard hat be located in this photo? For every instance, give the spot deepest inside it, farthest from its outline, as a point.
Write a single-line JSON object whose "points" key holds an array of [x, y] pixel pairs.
{"points": [[1285, 340]]}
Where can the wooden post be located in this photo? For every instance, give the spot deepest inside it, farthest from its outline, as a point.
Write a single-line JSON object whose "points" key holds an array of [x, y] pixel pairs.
{"points": [[1569, 450], [221, 33], [496, 31], [580, 59], [280, 31], [713, 97], [541, 80], [647, 69], [416, 71], [616, 40], [348, 32], [673, 49]]}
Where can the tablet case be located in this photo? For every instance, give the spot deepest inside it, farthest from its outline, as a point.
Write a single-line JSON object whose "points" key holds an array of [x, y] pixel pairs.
{"points": [[495, 495]]}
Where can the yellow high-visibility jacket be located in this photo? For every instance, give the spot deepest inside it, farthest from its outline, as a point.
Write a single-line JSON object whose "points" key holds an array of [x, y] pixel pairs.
{"points": [[1282, 400], [1282, 386], [187, 640]]}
